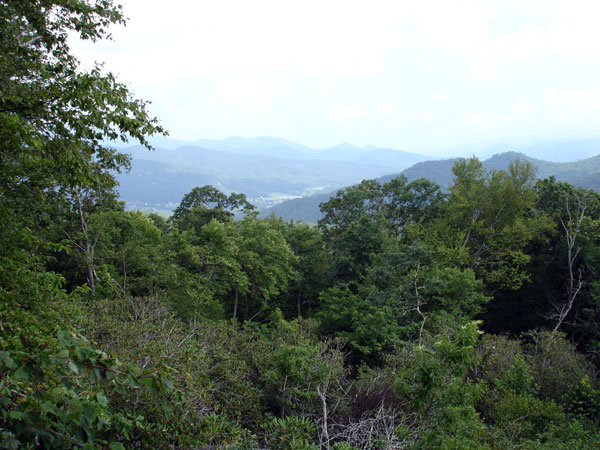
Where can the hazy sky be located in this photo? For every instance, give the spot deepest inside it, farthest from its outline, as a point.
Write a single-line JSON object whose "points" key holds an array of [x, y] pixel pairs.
{"points": [[412, 75]]}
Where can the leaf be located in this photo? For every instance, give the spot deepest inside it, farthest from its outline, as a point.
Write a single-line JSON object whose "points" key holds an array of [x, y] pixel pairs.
{"points": [[73, 367], [167, 383], [102, 398], [22, 373], [11, 443], [17, 415], [116, 446], [7, 361]]}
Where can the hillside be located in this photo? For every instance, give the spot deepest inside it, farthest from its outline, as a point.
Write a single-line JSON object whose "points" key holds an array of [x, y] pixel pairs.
{"points": [[271, 171], [267, 170], [584, 173]]}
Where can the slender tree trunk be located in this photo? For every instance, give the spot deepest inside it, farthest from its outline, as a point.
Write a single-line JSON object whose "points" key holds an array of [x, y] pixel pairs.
{"points": [[418, 304], [235, 302], [298, 303], [87, 248], [283, 389], [571, 228], [154, 285], [124, 273], [325, 427]]}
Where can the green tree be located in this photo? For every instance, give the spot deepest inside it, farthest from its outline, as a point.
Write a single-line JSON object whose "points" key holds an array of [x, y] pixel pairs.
{"points": [[311, 267], [433, 381], [54, 119], [404, 202], [126, 253], [202, 204], [490, 212], [576, 256], [267, 261]]}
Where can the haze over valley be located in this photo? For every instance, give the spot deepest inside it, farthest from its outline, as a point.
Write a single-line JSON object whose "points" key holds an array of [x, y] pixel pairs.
{"points": [[291, 179]]}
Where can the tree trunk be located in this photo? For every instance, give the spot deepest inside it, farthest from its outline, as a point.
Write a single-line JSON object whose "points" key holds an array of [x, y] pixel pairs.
{"points": [[87, 248], [235, 302], [571, 228]]}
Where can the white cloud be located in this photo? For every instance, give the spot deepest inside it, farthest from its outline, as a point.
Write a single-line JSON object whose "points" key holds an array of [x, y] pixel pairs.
{"points": [[315, 38], [324, 89], [438, 97], [387, 110], [488, 118], [426, 115], [524, 106], [244, 88], [230, 64], [342, 114], [481, 70]]}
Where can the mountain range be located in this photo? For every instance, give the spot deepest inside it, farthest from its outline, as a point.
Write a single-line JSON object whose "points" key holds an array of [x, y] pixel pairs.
{"points": [[267, 170], [290, 179], [584, 173]]}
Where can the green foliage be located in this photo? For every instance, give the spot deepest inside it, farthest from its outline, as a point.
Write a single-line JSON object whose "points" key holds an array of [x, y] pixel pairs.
{"points": [[357, 220], [488, 216], [57, 397], [368, 329], [298, 365], [555, 365], [126, 252], [397, 271], [584, 400], [203, 204], [290, 433], [266, 260], [311, 268], [433, 381]]}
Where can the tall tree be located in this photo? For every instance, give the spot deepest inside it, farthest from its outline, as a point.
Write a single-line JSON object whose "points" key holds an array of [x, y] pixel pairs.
{"points": [[570, 258], [54, 120], [202, 204], [488, 222]]}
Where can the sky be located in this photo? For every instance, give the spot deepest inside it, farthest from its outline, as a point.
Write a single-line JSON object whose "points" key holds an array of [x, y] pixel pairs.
{"points": [[412, 75]]}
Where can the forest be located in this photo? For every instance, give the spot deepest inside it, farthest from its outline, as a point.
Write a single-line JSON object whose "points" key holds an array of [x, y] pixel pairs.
{"points": [[408, 318]]}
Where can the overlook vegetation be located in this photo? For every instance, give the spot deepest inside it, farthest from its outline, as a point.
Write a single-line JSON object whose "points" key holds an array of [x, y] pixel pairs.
{"points": [[409, 318]]}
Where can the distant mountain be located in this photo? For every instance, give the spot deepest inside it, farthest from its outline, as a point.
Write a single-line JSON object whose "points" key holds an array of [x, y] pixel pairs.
{"points": [[264, 145], [563, 151], [553, 150], [584, 173], [272, 170], [267, 170]]}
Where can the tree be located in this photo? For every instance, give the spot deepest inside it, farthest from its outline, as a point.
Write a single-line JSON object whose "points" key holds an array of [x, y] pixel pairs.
{"points": [[54, 119], [311, 267], [433, 380], [488, 222], [567, 265], [202, 270], [267, 261], [358, 219], [404, 202], [202, 204]]}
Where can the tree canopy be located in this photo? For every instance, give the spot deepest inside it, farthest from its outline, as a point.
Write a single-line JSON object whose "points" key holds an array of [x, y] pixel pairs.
{"points": [[408, 318]]}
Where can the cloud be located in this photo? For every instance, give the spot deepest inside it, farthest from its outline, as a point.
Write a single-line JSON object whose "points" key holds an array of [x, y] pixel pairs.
{"points": [[324, 89], [387, 110], [315, 38], [489, 118], [342, 114], [244, 88], [426, 115], [231, 64], [481, 70], [438, 97], [524, 106]]}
